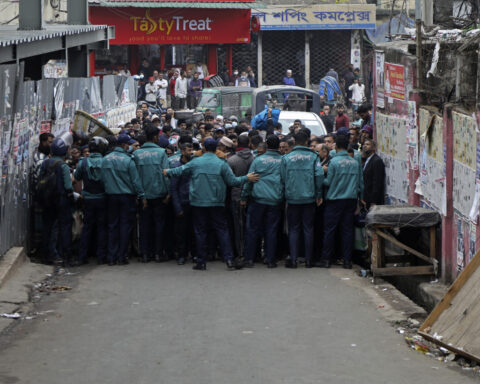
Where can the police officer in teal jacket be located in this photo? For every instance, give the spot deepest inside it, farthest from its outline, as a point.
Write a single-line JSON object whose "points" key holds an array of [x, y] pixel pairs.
{"points": [[303, 177], [264, 203], [150, 160], [123, 187], [209, 179], [89, 171], [345, 187]]}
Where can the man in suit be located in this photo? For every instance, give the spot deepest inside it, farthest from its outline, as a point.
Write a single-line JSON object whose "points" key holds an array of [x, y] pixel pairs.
{"points": [[373, 175]]}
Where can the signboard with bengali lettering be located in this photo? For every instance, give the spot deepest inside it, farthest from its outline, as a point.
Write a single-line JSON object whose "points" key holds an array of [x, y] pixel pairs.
{"points": [[321, 16]]}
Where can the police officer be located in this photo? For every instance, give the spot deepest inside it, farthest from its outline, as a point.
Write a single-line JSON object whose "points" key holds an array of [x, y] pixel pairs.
{"points": [[303, 177], [122, 186], [344, 189], [265, 208], [89, 171], [210, 177], [150, 160], [57, 201], [179, 190]]}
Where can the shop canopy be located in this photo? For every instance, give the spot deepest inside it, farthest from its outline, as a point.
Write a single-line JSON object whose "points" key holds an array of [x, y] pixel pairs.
{"points": [[174, 4]]}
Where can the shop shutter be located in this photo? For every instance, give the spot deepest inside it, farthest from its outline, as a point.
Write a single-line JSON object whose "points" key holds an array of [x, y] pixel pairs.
{"points": [[245, 55], [282, 50], [328, 49]]}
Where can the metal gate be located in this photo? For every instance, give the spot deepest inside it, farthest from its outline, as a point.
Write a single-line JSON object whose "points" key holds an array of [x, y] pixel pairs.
{"points": [[245, 55], [282, 50], [328, 49]]}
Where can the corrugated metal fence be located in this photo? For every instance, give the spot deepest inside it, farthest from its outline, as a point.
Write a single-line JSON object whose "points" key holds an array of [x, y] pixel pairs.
{"points": [[29, 108]]}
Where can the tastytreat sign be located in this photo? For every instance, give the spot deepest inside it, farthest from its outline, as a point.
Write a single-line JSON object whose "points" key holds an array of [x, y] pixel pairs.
{"points": [[174, 25]]}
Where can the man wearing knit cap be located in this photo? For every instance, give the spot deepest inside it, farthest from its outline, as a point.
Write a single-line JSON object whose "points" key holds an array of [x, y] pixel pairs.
{"points": [[210, 177]]}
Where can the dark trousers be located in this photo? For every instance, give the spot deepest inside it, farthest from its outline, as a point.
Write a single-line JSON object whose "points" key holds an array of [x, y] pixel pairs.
{"points": [[181, 102], [121, 217], [301, 217], [205, 218], [262, 219], [152, 224], [318, 241], [338, 214], [184, 232], [192, 102], [238, 226], [94, 226], [57, 221]]}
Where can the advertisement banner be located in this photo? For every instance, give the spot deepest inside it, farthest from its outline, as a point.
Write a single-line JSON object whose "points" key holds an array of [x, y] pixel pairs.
{"points": [[394, 81], [380, 78], [175, 25], [320, 16]]}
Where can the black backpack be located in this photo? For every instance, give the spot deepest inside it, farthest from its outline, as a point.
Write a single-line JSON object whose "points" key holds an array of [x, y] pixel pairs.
{"points": [[47, 188], [92, 186]]}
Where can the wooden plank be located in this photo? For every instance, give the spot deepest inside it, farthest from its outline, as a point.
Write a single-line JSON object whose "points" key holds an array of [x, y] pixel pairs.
{"points": [[398, 271], [452, 292], [392, 239], [449, 347]]}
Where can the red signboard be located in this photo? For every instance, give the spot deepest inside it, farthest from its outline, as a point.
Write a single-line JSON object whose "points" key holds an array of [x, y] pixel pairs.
{"points": [[394, 81], [174, 25]]}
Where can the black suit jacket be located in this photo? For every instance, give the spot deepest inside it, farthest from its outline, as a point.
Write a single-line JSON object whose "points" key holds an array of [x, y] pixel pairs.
{"points": [[374, 181]]}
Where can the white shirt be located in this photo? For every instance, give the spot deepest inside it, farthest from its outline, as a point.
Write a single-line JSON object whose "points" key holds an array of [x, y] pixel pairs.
{"points": [[358, 92], [200, 71], [181, 87], [162, 88], [124, 72], [151, 91]]}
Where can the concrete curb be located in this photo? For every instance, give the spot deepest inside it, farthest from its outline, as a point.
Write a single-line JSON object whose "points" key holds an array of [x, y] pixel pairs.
{"points": [[420, 289], [10, 263]]}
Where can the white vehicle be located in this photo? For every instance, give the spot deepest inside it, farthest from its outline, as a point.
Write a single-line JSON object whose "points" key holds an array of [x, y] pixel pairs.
{"points": [[309, 119]]}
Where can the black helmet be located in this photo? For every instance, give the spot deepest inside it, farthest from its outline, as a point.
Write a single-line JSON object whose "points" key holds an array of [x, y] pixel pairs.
{"points": [[60, 144], [98, 144]]}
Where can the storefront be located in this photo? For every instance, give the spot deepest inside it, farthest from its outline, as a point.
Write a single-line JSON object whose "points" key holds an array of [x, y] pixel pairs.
{"points": [[310, 40], [171, 34]]}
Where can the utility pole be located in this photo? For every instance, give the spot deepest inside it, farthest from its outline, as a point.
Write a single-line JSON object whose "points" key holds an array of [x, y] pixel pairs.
{"points": [[418, 39]]}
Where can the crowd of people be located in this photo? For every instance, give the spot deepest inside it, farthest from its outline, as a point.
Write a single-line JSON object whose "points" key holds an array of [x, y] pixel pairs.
{"points": [[181, 88], [210, 189]]}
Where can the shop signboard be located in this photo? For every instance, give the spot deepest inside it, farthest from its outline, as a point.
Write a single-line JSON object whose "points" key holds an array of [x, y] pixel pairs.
{"points": [[394, 81], [319, 16], [380, 78], [175, 25]]}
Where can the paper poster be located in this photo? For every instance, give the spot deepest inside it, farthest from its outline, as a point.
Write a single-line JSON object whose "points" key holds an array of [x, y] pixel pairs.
{"points": [[391, 135], [432, 162], [464, 139], [395, 81], [380, 78], [396, 178], [464, 186], [472, 243], [460, 246], [412, 136]]}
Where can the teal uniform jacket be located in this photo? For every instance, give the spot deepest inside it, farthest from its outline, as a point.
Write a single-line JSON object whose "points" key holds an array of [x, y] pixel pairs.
{"points": [[90, 169], [120, 175], [357, 155], [209, 179], [67, 180], [151, 160], [343, 178], [269, 189], [303, 176]]}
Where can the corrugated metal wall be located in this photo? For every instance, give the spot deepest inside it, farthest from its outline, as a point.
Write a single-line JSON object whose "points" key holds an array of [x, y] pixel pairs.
{"points": [[23, 108]]}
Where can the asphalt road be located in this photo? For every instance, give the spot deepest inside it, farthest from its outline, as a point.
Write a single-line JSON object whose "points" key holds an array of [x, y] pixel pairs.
{"points": [[170, 325]]}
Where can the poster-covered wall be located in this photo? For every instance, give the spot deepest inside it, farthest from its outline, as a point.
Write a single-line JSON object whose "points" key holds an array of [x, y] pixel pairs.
{"points": [[392, 148]]}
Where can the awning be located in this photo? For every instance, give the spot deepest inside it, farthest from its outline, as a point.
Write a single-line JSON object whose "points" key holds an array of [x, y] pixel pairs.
{"points": [[17, 45], [176, 4]]}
